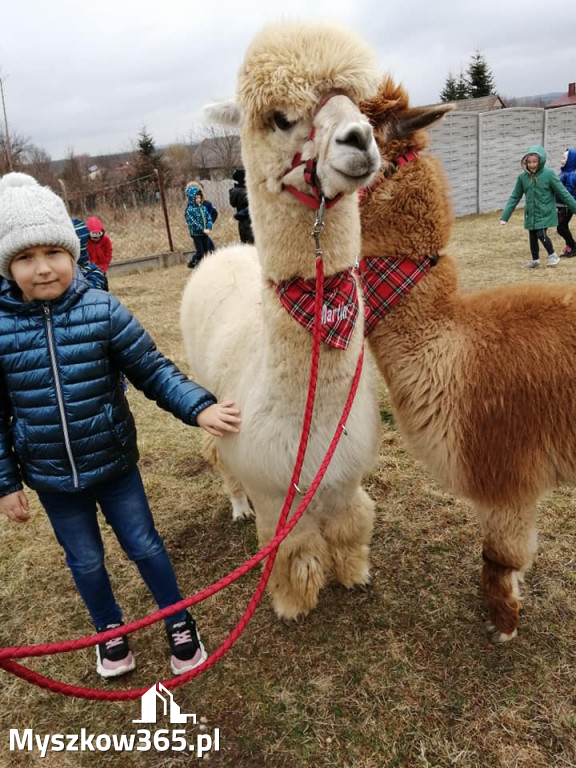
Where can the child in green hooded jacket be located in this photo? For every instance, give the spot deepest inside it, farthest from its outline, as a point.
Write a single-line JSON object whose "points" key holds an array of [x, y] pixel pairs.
{"points": [[542, 187]]}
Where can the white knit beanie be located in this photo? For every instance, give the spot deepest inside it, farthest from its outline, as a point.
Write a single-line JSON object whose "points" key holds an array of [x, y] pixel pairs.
{"points": [[31, 215]]}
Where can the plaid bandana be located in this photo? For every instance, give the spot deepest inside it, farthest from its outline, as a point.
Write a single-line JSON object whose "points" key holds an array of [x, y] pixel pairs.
{"points": [[385, 282], [339, 310]]}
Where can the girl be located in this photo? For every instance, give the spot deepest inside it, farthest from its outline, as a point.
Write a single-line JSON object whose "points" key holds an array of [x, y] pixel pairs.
{"points": [[66, 429], [541, 187]]}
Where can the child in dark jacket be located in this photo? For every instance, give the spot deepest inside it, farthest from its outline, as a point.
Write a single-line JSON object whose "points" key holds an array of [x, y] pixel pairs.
{"points": [[567, 176], [199, 223], [66, 429], [238, 197], [542, 187]]}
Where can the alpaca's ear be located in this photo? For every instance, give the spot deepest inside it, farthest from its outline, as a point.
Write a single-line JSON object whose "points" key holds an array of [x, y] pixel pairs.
{"points": [[224, 113], [420, 117]]}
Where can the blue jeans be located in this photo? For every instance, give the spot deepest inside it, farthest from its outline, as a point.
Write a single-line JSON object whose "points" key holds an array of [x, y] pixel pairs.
{"points": [[124, 505]]}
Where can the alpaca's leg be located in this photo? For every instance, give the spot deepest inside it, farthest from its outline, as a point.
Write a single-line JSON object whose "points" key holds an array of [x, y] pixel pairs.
{"points": [[300, 568], [348, 532], [508, 549], [241, 509]]}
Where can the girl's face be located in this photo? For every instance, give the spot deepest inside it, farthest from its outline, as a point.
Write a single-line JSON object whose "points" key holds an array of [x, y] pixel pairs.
{"points": [[563, 159], [96, 236], [198, 199], [42, 272], [532, 163]]}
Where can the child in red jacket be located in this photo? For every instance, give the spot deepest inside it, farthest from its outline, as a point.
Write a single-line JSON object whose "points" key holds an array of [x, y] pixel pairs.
{"points": [[99, 244]]}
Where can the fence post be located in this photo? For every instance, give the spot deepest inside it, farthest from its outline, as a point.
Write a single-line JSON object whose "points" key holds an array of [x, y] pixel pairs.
{"points": [[164, 208], [479, 163]]}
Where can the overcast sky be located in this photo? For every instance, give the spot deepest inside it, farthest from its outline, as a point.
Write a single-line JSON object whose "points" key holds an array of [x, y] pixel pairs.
{"points": [[87, 76]]}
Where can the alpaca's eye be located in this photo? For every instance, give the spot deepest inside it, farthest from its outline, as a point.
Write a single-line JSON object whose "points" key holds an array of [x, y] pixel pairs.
{"points": [[281, 121]]}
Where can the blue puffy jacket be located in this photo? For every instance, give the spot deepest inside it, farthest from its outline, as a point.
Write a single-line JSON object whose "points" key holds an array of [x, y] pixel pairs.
{"points": [[65, 422], [568, 172]]}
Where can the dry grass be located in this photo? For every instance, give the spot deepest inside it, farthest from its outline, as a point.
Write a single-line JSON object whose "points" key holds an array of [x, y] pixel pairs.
{"points": [[137, 232], [400, 676]]}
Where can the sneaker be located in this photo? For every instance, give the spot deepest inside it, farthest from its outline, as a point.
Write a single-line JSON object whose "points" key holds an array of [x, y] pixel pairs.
{"points": [[186, 647], [566, 250], [532, 264], [553, 259], [114, 658]]}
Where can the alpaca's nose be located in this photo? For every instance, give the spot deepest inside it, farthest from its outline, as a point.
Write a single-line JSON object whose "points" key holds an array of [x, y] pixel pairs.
{"points": [[358, 136]]}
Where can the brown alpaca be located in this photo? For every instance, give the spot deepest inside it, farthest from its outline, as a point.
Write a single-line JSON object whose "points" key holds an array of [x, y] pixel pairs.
{"points": [[482, 383]]}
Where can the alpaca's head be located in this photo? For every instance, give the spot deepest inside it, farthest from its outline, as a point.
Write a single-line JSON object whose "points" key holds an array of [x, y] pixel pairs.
{"points": [[407, 211], [289, 72], [398, 127]]}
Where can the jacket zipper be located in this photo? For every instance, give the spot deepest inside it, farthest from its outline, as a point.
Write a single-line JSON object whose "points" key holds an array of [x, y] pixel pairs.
{"points": [[52, 350]]}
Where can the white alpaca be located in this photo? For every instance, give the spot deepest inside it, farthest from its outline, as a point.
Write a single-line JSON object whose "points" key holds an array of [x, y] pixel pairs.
{"points": [[244, 345]]}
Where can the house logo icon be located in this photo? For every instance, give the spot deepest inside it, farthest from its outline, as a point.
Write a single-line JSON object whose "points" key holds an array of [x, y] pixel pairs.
{"points": [[151, 698]]}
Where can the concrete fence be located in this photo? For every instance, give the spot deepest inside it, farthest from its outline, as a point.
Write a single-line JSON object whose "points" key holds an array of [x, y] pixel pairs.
{"points": [[481, 152], [481, 157]]}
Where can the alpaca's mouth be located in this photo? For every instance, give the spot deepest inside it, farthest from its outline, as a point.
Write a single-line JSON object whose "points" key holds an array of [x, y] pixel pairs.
{"points": [[361, 174], [358, 168]]}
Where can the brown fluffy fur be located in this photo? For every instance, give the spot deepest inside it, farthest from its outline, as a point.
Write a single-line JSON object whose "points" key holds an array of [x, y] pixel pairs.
{"points": [[481, 383]]}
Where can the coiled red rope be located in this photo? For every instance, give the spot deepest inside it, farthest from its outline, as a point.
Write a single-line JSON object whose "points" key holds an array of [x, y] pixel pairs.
{"points": [[282, 530]]}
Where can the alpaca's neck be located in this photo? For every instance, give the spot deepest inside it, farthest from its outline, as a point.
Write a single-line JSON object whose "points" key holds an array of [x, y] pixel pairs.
{"points": [[283, 231], [414, 328]]}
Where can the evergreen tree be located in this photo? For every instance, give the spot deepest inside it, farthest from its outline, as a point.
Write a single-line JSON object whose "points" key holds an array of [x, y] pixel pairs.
{"points": [[448, 93], [478, 81], [480, 78], [144, 163], [462, 88], [147, 157]]}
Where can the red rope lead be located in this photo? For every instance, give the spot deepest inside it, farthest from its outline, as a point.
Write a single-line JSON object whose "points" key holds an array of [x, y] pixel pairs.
{"points": [[282, 531]]}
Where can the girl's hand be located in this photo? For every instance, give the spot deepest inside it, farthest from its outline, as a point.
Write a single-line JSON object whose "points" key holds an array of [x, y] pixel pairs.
{"points": [[207, 231], [15, 506], [220, 418], [503, 222]]}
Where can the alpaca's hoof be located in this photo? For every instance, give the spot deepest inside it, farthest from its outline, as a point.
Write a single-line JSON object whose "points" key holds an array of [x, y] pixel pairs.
{"points": [[296, 621], [497, 637], [242, 511], [364, 586]]}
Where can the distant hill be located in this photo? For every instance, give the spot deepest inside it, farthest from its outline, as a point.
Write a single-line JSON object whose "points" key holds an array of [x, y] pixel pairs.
{"points": [[532, 101], [108, 160]]}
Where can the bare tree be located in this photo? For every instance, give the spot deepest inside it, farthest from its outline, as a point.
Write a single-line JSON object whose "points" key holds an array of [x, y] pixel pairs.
{"points": [[76, 182], [180, 160], [38, 163], [219, 152], [13, 152]]}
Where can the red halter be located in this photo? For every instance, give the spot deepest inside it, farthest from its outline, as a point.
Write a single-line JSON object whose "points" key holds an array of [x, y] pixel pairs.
{"points": [[313, 199], [400, 160]]}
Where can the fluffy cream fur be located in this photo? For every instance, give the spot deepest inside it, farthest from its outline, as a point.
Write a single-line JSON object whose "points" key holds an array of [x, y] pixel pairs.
{"points": [[243, 345]]}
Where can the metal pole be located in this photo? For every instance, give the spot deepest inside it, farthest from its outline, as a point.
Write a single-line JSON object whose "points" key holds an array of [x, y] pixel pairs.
{"points": [[7, 146], [164, 208]]}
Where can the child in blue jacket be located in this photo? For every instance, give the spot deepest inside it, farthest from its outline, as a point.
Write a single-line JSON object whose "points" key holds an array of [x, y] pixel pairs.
{"points": [[199, 221], [567, 176], [66, 429]]}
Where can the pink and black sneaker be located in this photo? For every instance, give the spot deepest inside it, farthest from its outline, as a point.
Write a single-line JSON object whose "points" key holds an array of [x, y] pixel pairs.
{"points": [[186, 647], [114, 658]]}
